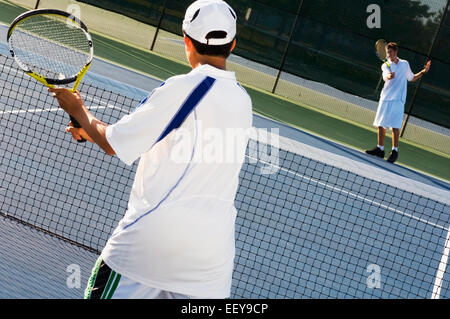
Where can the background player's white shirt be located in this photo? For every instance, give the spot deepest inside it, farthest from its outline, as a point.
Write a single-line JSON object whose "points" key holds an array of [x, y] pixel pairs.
{"points": [[178, 231], [395, 89]]}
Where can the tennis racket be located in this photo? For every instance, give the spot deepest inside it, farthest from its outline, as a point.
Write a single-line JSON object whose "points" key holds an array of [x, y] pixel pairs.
{"points": [[53, 47], [380, 50]]}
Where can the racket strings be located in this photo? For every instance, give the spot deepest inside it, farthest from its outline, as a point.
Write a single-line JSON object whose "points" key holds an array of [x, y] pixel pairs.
{"points": [[53, 48], [44, 50], [380, 49]]}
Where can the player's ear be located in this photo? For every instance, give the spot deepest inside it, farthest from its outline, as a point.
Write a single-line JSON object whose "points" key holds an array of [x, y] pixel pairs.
{"points": [[188, 43], [233, 45]]}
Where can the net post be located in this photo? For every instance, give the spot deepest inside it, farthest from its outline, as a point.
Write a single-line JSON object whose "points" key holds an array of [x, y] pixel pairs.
{"points": [[411, 106], [283, 59], [37, 4], [159, 25]]}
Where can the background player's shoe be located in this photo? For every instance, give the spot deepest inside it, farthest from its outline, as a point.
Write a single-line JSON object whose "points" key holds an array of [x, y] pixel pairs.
{"points": [[393, 157], [376, 152]]}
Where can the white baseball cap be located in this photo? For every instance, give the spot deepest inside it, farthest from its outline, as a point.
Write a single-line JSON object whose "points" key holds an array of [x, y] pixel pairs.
{"points": [[211, 22]]}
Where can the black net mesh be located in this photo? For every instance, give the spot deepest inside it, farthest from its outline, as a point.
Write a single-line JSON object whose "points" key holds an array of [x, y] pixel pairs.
{"points": [[307, 230]]}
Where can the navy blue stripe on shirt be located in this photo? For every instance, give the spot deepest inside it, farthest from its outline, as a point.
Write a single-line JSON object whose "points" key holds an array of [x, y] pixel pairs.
{"points": [[147, 97], [188, 105]]}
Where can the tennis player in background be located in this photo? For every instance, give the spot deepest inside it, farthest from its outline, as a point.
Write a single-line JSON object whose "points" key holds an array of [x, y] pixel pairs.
{"points": [[396, 73], [177, 238]]}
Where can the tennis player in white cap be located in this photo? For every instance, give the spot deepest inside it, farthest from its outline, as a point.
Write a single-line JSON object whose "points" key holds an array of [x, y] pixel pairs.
{"points": [[396, 73], [177, 238]]}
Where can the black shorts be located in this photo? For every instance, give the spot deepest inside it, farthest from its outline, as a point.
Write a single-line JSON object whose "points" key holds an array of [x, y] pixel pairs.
{"points": [[102, 283]]}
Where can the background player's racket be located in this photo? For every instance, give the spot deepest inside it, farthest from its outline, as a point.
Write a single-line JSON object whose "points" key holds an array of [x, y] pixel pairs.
{"points": [[380, 50], [52, 46]]}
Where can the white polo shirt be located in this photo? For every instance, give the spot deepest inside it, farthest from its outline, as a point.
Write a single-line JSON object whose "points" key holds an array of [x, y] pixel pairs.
{"points": [[395, 89], [178, 233]]}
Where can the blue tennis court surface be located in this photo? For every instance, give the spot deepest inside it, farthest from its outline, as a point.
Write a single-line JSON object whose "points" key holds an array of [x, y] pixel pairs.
{"points": [[38, 265], [323, 245], [310, 229]]}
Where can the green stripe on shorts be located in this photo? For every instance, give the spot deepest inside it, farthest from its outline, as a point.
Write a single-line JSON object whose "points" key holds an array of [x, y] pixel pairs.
{"points": [[114, 286], [112, 275]]}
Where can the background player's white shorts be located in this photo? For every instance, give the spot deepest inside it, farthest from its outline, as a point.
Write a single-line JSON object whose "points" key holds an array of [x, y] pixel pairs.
{"points": [[389, 114]]}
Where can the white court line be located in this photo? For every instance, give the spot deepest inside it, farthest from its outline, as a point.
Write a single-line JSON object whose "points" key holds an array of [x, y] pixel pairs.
{"points": [[13, 69], [86, 98], [57, 109], [335, 188], [97, 100], [441, 269], [53, 109]]}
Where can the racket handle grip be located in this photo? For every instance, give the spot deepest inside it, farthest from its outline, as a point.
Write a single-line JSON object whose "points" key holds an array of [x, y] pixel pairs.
{"points": [[77, 125]]}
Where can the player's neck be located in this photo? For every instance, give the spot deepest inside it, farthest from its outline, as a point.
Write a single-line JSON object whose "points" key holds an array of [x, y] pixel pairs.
{"points": [[395, 60], [217, 62]]}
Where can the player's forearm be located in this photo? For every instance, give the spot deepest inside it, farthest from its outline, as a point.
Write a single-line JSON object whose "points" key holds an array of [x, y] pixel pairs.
{"points": [[95, 128], [418, 76]]}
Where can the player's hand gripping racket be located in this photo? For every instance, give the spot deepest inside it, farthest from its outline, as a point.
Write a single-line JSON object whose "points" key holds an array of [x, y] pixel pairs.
{"points": [[380, 50], [52, 46]]}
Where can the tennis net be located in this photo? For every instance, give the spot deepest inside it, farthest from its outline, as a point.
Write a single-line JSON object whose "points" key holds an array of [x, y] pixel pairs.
{"points": [[310, 224]]}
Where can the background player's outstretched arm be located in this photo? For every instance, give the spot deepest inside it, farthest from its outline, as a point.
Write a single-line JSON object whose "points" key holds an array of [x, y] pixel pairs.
{"points": [[422, 72]]}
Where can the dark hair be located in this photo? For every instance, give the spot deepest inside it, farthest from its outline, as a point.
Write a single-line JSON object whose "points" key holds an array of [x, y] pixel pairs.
{"points": [[393, 46], [223, 50]]}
